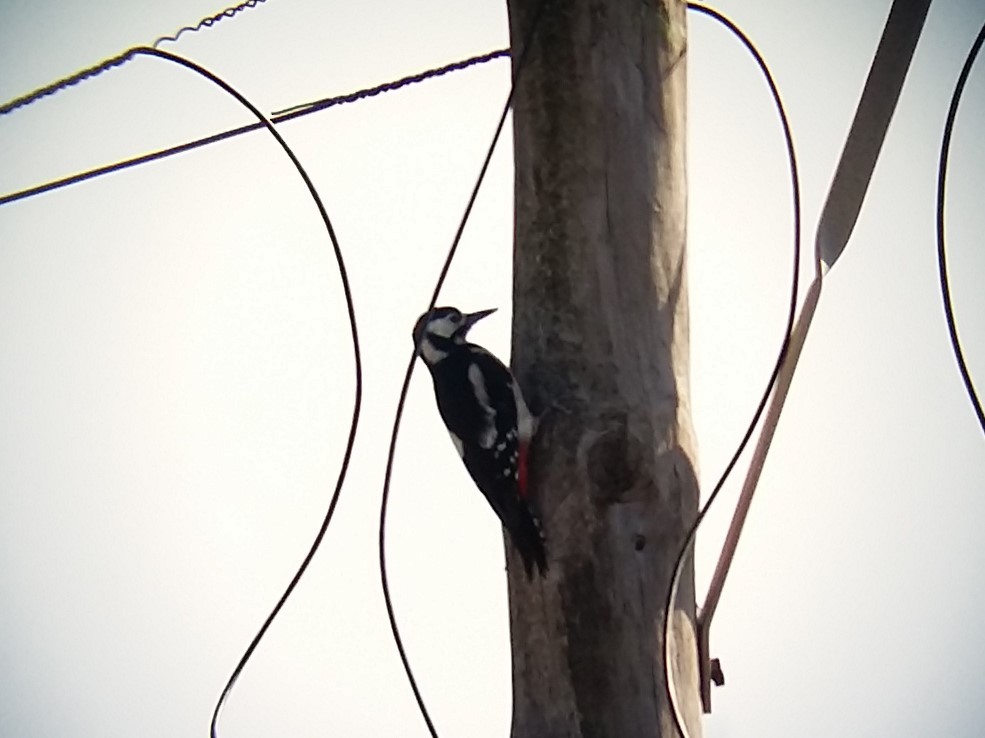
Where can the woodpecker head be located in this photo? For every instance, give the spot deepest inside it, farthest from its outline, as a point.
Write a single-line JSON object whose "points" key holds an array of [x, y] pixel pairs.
{"points": [[441, 329]]}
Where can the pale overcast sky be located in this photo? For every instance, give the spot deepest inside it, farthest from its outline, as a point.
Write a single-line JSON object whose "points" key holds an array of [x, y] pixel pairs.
{"points": [[176, 378]]}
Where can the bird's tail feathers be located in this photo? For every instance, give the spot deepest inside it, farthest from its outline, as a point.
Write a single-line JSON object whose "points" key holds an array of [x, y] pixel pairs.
{"points": [[528, 538]]}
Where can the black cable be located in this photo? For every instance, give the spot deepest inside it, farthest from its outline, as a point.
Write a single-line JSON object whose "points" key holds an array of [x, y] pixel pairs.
{"points": [[295, 111], [518, 69], [795, 185], [357, 403], [952, 328]]}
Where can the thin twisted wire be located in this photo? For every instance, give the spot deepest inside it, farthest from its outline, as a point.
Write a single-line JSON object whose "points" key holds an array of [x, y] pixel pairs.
{"points": [[304, 108], [287, 114], [96, 69], [210, 21], [66, 82]]}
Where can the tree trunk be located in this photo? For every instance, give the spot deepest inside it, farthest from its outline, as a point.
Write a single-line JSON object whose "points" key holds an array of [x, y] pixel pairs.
{"points": [[600, 347]]}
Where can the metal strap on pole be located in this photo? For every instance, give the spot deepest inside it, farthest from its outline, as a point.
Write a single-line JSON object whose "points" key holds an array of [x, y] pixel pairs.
{"points": [[838, 218]]}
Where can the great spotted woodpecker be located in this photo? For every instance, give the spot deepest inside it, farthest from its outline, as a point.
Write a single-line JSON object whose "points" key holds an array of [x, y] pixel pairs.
{"points": [[488, 420]]}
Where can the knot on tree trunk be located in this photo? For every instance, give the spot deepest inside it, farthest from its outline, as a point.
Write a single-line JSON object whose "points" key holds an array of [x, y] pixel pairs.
{"points": [[614, 461]]}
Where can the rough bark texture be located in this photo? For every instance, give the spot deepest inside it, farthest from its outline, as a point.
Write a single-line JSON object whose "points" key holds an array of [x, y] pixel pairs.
{"points": [[600, 344]]}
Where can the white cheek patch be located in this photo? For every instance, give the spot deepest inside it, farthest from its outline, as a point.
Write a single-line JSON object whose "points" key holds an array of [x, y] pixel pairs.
{"points": [[430, 353], [487, 436], [444, 327]]}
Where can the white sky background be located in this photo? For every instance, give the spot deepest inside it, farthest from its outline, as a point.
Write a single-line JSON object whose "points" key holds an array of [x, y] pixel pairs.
{"points": [[176, 378]]}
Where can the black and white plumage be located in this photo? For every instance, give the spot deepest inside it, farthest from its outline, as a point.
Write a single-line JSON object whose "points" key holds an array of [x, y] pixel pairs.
{"points": [[490, 425]]}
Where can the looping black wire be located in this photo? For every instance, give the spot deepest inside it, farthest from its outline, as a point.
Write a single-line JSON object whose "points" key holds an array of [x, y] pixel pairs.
{"points": [[210, 21], [357, 401], [952, 328], [518, 69], [795, 186]]}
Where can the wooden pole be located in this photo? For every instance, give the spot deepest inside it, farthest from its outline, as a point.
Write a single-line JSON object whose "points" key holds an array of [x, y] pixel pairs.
{"points": [[600, 346]]}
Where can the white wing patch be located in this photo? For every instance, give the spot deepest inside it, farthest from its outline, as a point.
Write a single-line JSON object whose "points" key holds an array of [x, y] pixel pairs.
{"points": [[459, 446], [487, 436], [525, 422]]}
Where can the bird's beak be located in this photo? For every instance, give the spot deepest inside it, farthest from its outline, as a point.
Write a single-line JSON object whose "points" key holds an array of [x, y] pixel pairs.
{"points": [[472, 318]]}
